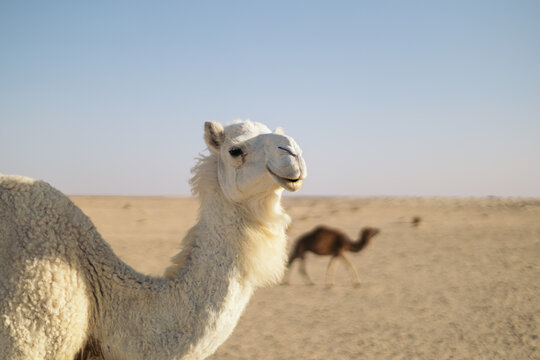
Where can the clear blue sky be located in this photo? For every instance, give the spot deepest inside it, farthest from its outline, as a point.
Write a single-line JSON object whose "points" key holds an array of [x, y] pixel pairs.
{"points": [[385, 97]]}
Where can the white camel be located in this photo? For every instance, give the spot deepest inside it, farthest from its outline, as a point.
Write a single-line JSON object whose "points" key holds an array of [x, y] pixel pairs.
{"points": [[64, 294]]}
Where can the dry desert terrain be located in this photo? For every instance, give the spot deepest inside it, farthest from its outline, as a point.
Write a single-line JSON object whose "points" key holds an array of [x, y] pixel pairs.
{"points": [[464, 284]]}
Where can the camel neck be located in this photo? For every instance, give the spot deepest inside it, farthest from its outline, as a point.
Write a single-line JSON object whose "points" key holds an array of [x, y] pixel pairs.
{"points": [[142, 317], [232, 249], [360, 244], [226, 256], [254, 232]]}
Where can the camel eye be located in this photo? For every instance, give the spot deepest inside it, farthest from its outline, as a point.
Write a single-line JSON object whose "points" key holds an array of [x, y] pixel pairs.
{"points": [[236, 152]]}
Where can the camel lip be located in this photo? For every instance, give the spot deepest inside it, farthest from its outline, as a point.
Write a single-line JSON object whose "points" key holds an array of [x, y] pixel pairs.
{"points": [[287, 183], [281, 177]]}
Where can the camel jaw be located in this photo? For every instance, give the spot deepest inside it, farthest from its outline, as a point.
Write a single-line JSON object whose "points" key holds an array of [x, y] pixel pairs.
{"points": [[289, 184]]}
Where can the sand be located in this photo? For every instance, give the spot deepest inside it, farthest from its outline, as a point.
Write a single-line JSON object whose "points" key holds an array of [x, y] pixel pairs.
{"points": [[464, 284]]}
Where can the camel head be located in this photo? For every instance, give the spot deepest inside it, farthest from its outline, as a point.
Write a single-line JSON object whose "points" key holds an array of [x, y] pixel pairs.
{"points": [[253, 161]]}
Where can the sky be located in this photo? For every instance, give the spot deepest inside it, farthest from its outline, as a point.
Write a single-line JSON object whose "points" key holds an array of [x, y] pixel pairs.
{"points": [[386, 98]]}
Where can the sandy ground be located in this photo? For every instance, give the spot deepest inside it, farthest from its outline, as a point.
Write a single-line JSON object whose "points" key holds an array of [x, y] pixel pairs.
{"points": [[465, 284]]}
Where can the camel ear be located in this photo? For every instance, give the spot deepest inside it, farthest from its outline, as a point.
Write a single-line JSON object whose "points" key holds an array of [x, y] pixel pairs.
{"points": [[214, 135], [279, 130]]}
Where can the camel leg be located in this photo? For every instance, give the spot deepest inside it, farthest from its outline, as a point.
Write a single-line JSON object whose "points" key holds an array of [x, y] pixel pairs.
{"points": [[285, 280], [354, 274], [304, 272], [330, 270]]}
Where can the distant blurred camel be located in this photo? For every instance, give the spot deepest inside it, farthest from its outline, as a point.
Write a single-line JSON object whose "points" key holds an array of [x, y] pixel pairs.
{"points": [[327, 241]]}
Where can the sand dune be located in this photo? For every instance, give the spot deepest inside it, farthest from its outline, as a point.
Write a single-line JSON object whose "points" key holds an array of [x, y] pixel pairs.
{"points": [[462, 285]]}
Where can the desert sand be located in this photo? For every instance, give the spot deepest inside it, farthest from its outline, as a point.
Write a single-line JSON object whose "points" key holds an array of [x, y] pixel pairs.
{"points": [[464, 284]]}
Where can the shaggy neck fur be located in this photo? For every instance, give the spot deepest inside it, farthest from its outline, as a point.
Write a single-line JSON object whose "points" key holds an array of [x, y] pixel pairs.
{"points": [[255, 229], [233, 249]]}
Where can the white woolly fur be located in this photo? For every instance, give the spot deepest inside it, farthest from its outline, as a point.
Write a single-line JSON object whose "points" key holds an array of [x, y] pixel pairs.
{"points": [[64, 294]]}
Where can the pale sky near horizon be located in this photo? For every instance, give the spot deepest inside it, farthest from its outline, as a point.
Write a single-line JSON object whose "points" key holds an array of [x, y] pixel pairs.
{"points": [[391, 98]]}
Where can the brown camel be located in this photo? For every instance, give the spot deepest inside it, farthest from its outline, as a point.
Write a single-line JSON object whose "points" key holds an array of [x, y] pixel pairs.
{"points": [[327, 241]]}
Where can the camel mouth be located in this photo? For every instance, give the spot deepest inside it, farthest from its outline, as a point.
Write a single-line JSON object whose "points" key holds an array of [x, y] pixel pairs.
{"points": [[289, 184]]}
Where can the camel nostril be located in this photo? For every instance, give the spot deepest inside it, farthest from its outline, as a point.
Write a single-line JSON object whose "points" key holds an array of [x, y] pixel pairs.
{"points": [[287, 150]]}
